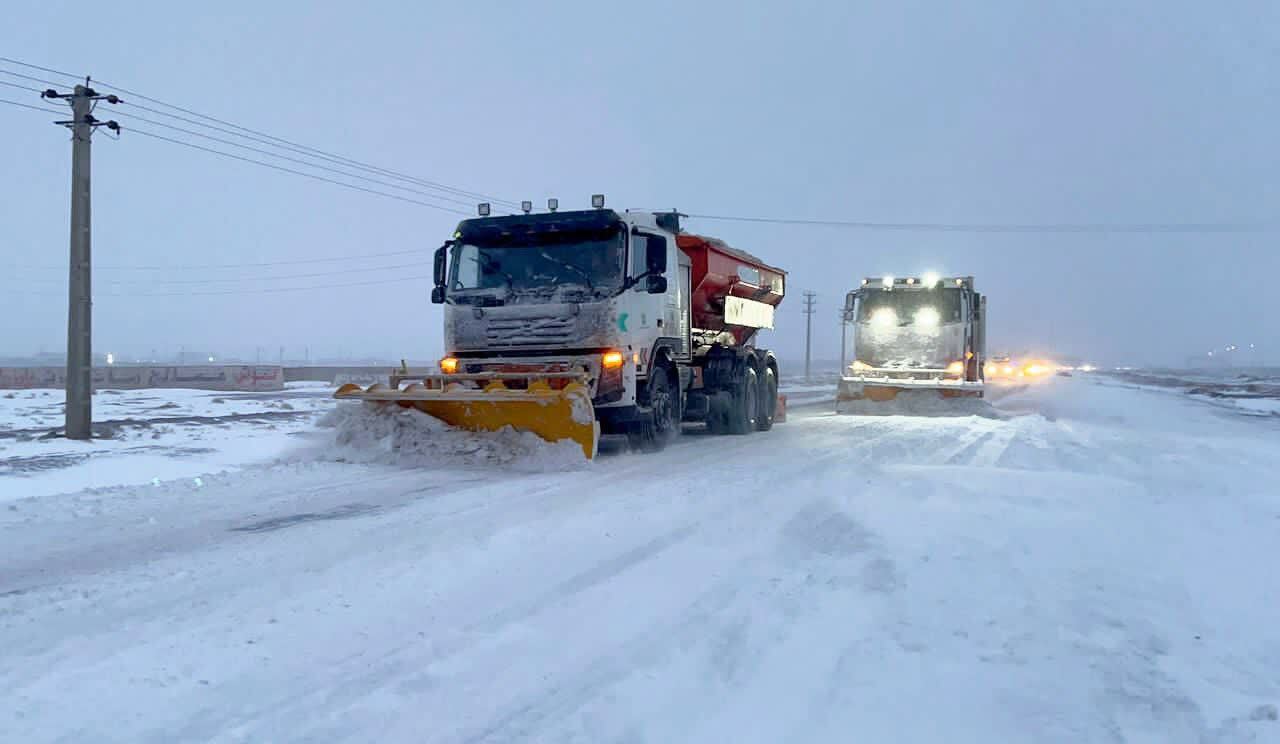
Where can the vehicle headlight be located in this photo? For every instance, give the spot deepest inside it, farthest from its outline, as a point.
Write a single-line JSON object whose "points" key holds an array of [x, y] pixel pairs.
{"points": [[955, 368], [885, 317], [927, 317], [859, 366]]}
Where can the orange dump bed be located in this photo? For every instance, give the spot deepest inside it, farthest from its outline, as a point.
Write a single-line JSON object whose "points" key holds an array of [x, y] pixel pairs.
{"points": [[720, 271]]}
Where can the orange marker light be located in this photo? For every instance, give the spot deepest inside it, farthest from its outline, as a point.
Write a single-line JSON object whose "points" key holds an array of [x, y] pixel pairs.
{"points": [[449, 365], [612, 359]]}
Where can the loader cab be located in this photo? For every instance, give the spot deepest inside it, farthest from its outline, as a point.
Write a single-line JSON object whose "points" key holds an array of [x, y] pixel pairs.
{"points": [[917, 324]]}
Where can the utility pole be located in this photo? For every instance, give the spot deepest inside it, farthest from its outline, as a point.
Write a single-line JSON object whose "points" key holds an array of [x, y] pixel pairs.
{"points": [[79, 408], [809, 299]]}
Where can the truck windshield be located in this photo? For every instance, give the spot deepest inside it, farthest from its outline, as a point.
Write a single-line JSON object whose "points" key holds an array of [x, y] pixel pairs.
{"points": [[532, 263], [909, 307]]}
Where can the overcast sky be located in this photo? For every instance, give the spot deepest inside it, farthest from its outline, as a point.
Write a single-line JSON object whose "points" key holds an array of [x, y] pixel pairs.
{"points": [[981, 112]]}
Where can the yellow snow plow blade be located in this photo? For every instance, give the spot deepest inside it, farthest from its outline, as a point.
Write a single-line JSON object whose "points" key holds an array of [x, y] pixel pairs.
{"points": [[555, 406], [881, 396], [886, 392]]}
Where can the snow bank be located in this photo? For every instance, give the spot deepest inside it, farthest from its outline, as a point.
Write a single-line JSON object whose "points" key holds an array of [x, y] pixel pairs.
{"points": [[405, 437]]}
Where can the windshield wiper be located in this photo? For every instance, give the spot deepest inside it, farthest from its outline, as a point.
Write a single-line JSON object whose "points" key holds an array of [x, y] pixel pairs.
{"points": [[489, 266], [591, 287]]}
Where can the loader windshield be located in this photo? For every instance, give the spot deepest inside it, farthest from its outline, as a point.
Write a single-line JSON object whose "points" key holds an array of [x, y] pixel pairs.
{"points": [[909, 329], [539, 264], [909, 307]]}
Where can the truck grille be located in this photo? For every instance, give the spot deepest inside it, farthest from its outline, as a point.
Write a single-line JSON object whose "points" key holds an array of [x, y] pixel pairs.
{"points": [[529, 331]]}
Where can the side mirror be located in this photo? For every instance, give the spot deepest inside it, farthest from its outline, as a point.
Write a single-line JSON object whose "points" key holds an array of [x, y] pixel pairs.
{"points": [[655, 284], [437, 295], [440, 265], [655, 255]]}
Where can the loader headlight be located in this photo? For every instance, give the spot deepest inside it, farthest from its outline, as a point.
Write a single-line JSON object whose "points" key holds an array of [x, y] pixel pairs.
{"points": [[931, 279], [887, 281], [859, 366], [927, 317], [611, 359], [955, 368], [449, 365], [885, 317]]}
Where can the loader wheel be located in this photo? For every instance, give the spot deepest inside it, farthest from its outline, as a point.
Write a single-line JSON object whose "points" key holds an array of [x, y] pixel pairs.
{"points": [[768, 400], [746, 405], [664, 403]]}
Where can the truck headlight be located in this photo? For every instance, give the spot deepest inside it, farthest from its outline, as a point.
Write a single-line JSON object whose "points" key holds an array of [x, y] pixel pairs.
{"points": [[449, 365], [927, 317], [955, 368], [885, 317]]}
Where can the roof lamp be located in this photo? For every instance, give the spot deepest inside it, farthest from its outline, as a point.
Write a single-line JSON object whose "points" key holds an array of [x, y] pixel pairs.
{"points": [[597, 201], [483, 209]]}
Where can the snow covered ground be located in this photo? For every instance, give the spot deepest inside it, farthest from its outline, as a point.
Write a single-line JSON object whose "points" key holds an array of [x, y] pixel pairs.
{"points": [[1094, 563], [1250, 391], [147, 436]]}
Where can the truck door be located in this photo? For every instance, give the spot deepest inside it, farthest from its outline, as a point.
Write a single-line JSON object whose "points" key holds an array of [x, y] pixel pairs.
{"points": [[684, 291]]}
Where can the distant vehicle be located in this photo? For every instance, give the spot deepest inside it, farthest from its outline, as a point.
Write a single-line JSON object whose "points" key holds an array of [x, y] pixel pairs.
{"points": [[572, 324], [925, 336]]}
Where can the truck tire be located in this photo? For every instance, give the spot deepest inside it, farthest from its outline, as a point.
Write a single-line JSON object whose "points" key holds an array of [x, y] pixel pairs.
{"points": [[663, 400], [768, 400], [718, 413], [745, 410]]}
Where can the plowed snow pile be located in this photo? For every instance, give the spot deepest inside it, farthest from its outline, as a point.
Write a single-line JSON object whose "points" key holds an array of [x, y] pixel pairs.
{"points": [[919, 403], [405, 437]]}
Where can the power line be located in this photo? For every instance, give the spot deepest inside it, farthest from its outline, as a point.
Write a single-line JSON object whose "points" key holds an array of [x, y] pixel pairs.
{"points": [[285, 144], [184, 267], [271, 140], [265, 164], [19, 86], [273, 290], [300, 161], [269, 290], [32, 79], [32, 106], [1190, 227], [42, 69], [224, 280]]}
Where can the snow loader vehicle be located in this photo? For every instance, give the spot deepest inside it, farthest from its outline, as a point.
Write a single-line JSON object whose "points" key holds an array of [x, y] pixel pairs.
{"points": [[919, 337], [577, 324]]}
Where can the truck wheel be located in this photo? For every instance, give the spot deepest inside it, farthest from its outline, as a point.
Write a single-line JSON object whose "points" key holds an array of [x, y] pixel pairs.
{"points": [[718, 413], [746, 405], [664, 424], [768, 400]]}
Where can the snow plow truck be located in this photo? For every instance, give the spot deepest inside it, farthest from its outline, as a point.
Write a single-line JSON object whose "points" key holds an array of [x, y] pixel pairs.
{"points": [[575, 324], [922, 337]]}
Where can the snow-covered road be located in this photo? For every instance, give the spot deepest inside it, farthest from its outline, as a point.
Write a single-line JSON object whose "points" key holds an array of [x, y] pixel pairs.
{"points": [[1097, 565]]}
